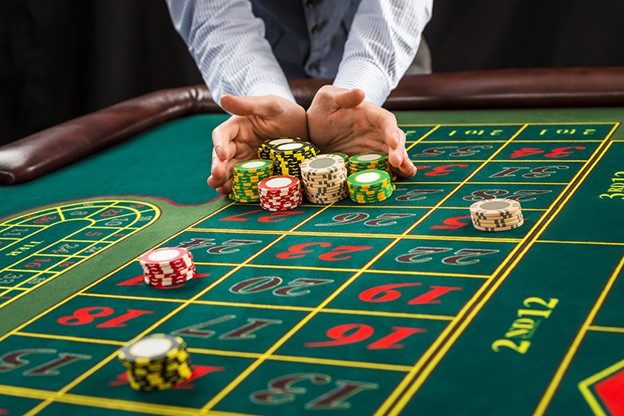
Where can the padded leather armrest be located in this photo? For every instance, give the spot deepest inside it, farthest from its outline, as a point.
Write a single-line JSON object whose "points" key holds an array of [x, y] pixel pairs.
{"points": [[58, 146]]}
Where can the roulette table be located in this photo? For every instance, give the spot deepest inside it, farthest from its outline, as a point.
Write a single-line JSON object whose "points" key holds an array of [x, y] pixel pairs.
{"points": [[397, 307]]}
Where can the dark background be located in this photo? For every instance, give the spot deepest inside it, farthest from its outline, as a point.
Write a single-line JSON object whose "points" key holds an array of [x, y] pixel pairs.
{"points": [[60, 59]]}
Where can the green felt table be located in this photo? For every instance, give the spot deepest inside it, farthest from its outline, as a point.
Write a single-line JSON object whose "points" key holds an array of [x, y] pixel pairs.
{"points": [[399, 307]]}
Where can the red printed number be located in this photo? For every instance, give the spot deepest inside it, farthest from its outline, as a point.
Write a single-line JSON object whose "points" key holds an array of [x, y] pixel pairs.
{"points": [[86, 316], [352, 333], [389, 293], [300, 250], [274, 217]]}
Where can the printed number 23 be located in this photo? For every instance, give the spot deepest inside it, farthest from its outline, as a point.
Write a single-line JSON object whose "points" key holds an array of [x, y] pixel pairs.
{"points": [[301, 250]]}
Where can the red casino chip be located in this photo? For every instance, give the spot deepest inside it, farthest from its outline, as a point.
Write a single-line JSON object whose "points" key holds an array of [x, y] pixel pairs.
{"points": [[167, 266], [157, 268], [169, 275], [165, 282], [276, 184], [166, 270], [166, 256], [280, 193]]}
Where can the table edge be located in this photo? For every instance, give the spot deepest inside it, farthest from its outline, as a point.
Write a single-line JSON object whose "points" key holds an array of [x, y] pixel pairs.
{"points": [[48, 150]]}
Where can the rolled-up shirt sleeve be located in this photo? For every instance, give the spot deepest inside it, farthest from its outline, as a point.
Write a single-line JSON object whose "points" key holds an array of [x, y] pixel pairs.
{"points": [[227, 42], [382, 43]]}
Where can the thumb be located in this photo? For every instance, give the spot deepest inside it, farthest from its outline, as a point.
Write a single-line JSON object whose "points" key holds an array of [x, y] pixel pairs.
{"points": [[351, 98], [239, 106]]}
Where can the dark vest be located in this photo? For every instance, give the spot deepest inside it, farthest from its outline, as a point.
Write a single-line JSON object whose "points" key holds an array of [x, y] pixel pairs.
{"points": [[307, 36]]}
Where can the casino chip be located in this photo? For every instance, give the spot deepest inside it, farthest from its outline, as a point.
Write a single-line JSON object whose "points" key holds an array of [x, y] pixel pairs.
{"points": [[156, 362], [263, 150], [366, 161], [167, 266], [369, 186], [325, 178], [280, 193], [245, 178], [288, 155], [496, 215]]}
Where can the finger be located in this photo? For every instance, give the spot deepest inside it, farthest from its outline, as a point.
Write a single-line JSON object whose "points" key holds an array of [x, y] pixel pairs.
{"points": [[212, 183], [218, 188], [407, 168], [387, 122], [218, 173], [226, 188], [395, 157], [263, 106], [349, 99], [395, 139], [223, 138]]}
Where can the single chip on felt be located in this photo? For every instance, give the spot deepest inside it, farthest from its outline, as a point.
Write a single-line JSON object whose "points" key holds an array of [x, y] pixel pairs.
{"points": [[495, 206], [370, 186], [496, 215], [155, 362], [324, 178], [280, 193], [167, 266]]}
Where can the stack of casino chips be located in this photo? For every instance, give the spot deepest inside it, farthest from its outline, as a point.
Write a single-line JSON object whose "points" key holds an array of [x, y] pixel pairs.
{"points": [[280, 193], [289, 155], [369, 186], [263, 150], [366, 161], [156, 362], [325, 178], [245, 178], [496, 215], [167, 266]]}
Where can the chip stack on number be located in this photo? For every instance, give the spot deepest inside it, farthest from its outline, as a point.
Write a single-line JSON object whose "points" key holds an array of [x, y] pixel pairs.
{"points": [[280, 193], [370, 186], [167, 266], [367, 161], [264, 149], [156, 362], [325, 178], [245, 178], [288, 156], [496, 215]]}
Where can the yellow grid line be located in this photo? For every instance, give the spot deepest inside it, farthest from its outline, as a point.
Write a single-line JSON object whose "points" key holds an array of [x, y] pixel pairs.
{"points": [[396, 207], [459, 159], [64, 390], [558, 204], [576, 343], [584, 387], [600, 328]]}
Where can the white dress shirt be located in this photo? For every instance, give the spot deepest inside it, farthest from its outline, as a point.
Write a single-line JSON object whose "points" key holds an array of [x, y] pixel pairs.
{"points": [[228, 44]]}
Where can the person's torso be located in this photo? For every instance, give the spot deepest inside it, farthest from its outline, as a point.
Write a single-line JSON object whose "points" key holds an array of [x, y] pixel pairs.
{"points": [[307, 36]]}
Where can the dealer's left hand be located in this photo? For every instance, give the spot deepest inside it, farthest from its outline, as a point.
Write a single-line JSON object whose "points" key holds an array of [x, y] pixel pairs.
{"points": [[340, 120]]}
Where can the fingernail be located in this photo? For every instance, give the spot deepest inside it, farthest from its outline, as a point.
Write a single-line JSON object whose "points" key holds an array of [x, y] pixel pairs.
{"points": [[219, 152]]}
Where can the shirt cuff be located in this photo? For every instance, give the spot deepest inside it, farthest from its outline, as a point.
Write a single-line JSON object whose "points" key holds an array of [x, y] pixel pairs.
{"points": [[272, 89], [365, 76]]}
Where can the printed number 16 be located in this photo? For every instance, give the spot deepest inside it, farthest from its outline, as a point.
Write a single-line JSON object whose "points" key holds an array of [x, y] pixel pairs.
{"points": [[352, 333]]}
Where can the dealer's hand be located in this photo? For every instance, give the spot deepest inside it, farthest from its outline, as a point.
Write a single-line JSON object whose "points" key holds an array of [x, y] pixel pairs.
{"points": [[253, 120], [339, 120]]}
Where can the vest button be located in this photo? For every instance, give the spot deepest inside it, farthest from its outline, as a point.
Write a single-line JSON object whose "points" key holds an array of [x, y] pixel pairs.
{"points": [[313, 67], [316, 29]]}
